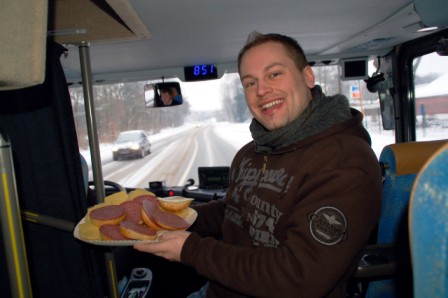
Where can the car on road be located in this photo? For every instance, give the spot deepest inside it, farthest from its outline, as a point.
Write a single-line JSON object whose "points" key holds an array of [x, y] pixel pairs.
{"points": [[131, 143]]}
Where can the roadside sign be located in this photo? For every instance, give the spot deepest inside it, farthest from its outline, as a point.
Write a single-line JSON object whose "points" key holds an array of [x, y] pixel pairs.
{"points": [[355, 92]]}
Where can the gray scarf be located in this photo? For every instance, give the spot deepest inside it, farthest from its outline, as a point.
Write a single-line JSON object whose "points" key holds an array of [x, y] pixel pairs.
{"points": [[322, 112]]}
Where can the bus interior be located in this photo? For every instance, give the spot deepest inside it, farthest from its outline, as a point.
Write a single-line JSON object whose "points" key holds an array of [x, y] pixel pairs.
{"points": [[78, 76]]}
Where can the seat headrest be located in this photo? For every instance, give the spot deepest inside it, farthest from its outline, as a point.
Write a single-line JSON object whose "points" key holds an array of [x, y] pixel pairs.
{"points": [[411, 156]]}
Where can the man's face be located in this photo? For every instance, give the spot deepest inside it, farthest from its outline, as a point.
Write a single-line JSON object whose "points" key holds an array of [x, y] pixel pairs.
{"points": [[276, 91], [166, 98]]}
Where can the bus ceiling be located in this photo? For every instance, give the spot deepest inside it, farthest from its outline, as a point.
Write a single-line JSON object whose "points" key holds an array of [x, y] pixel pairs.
{"points": [[114, 29]]}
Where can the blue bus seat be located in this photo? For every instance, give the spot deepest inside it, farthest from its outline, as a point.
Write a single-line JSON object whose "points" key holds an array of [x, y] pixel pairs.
{"points": [[401, 162], [428, 228], [383, 262]]}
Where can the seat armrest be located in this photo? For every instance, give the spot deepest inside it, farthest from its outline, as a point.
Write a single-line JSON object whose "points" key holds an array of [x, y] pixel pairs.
{"points": [[377, 261]]}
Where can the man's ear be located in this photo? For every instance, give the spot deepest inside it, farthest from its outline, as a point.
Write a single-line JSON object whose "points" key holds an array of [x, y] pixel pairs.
{"points": [[310, 79]]}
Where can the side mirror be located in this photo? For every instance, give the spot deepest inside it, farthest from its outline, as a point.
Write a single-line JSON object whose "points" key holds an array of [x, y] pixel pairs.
{"points": [[163, 95]]}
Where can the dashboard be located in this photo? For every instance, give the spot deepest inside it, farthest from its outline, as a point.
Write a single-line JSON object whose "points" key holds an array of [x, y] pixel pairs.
{"points": [[213, 185]]}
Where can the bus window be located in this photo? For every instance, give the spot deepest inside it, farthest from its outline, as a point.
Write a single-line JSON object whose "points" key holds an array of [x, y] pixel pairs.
{"points": [[215, 107], [431, 96], [328, 77]]}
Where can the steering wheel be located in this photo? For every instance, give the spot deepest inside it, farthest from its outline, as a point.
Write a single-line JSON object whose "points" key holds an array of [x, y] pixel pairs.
{"points": [[109, 184]]}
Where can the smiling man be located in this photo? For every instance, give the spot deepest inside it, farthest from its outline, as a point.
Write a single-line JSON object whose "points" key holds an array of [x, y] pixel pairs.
{"points": [[303, 197], [277, 88]]}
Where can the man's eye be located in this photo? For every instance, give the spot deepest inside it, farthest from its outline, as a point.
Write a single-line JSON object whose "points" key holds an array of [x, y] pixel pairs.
{"points": [[249, 84], [275, 74]]}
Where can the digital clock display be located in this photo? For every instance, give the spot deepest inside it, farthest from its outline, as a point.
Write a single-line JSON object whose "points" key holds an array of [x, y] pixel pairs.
{"points": [[200, 72]]}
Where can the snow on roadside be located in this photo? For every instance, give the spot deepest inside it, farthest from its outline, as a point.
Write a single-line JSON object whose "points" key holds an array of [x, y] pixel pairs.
{"points": [[237, 134], [106, 148]]}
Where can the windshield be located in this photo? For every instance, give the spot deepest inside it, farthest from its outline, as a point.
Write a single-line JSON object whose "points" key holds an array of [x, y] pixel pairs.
{"points": [[206, 130], [129, 137]]}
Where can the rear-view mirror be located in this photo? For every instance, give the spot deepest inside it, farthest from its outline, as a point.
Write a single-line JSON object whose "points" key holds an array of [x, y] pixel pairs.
{"points": [[163, 95]]}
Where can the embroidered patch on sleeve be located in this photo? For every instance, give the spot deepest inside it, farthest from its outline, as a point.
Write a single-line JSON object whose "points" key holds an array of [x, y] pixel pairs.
{"points": [[328, 225]]}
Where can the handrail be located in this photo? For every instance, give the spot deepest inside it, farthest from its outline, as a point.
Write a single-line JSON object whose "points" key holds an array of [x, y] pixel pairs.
{"points": [[48, 221], [13, 239], [84, 56]]}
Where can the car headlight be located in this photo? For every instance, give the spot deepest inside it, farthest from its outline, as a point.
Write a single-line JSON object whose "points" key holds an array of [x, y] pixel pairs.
{"points": [[114, 149], [135, 147]]}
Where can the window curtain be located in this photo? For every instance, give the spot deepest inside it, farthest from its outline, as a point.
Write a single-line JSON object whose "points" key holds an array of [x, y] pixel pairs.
{"points": [[39, 123]]}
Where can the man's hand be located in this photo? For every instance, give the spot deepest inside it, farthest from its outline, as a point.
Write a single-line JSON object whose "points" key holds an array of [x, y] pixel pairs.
{"points": [[169, 245]]}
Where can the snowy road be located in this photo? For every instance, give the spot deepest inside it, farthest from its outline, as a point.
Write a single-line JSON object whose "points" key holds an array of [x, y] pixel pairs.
{"points": [[176, 156]]}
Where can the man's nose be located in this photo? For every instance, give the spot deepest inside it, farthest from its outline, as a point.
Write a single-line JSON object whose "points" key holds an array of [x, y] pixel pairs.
{"points": [[263, 88]]}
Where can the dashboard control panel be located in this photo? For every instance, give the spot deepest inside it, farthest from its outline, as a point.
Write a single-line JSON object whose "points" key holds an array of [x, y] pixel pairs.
{"points": [[213, 177]]}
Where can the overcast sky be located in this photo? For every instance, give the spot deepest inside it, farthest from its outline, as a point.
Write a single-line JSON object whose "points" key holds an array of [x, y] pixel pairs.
{"points": [[204, 96], [433, 63]]}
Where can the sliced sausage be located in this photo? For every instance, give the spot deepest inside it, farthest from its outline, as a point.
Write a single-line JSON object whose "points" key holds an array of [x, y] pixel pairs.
{"points": [[133, 211], [111, 232], [170, 221], [109, 214]]}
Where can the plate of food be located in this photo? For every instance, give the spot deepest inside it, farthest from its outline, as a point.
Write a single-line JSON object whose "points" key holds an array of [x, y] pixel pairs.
{"points": [[125, 219]]}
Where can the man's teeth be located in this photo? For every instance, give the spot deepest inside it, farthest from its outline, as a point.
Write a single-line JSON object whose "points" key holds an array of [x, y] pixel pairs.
{"points": [[271, 104]]}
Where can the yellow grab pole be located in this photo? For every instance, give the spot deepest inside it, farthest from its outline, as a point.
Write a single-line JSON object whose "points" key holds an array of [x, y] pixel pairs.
{"points": [[13, 240]]}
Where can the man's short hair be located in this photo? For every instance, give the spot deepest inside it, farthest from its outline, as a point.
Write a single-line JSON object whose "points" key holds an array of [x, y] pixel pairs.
{"points": [[293, 49]]}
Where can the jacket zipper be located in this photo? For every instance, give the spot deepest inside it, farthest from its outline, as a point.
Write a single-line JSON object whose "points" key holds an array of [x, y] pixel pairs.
{"points": [[265, 161]]}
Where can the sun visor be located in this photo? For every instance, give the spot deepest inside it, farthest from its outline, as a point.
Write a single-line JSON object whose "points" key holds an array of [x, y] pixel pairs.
{"points": [[23, 36], [432, 13], [95, 21]]}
